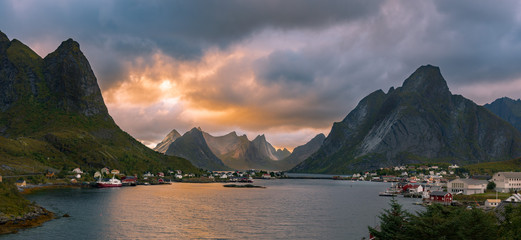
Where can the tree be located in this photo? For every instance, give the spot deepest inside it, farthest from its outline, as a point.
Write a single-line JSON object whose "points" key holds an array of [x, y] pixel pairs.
{"points": [[510, 223], [392, 222], [491, 185]]}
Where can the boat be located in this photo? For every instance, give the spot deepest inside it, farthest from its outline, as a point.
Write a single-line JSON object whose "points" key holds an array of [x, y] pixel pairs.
{"points": [[387, 194], [113, 182]]}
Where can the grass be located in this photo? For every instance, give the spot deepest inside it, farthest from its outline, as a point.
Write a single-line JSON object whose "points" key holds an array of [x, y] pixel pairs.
{"points": [[481, 197], [512, 165], [11, 201]]}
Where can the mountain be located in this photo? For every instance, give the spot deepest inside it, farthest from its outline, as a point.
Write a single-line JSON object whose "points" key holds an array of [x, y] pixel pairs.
{"points": [[507, 109], [419, 122], [53, 117], [192, 146], [169, 139], [233, 151], [300, 153], [265, 148]]}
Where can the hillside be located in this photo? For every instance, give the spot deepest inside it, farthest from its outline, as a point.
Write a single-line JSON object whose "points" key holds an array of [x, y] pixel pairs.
{"points": [[422, 121], [53, 117], [507, 109], [512, 165], [300, 153]]}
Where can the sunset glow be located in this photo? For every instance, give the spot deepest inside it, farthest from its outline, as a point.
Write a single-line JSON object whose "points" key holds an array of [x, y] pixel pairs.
{"points": [[288, 73]]}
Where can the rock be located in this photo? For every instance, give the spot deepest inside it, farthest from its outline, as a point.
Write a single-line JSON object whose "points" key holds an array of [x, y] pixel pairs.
{"points": [[418, 122]]}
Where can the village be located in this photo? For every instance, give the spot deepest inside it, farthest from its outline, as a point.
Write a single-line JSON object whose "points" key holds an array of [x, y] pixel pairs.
{"points": [[448, 185], [78, 177]]}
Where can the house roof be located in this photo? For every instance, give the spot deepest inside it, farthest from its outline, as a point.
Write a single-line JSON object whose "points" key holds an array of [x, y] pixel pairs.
{"points": [[510, 174], [471, 181], [438, 193], [494, 200]]}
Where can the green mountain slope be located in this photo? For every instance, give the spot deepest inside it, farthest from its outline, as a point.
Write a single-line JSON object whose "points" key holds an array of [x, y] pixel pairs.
{"points": [[52, 116], [511, 165], [419, 122]]}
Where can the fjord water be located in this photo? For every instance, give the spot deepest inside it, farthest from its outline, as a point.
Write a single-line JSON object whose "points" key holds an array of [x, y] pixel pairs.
{"points": [[286, 209]]}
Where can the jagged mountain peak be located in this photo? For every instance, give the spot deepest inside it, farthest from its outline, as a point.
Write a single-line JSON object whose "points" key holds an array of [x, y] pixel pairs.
{"points": [[162, 147], [173, 133], [234, 134], [260, 138], [3, 37], [420, 121], [507, 109], [69, 45], [426, 79]]}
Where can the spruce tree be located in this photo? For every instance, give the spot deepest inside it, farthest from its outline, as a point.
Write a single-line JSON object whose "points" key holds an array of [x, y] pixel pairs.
{"points": [[392, 222]]}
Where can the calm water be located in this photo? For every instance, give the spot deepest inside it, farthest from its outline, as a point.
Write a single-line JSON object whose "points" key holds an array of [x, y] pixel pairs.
{"points": [[286, 209]]}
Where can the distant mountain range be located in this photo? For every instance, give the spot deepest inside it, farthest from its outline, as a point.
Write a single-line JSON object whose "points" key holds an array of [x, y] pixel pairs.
{"points": [[420, 122], [507, 109], [234, 152], [53, 117]]}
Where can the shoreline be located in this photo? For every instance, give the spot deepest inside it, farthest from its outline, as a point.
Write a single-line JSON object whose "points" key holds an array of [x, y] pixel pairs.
{"points": [[35, 218], [34, 188]]}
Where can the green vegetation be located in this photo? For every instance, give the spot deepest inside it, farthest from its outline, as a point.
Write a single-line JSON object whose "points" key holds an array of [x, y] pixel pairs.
{"points": [[54, 119], [11, 201], [448, 222], [481, 197], [512, 165]]}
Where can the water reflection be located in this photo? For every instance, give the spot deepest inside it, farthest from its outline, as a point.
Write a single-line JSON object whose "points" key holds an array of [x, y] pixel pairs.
{"points": [[304, 209]]}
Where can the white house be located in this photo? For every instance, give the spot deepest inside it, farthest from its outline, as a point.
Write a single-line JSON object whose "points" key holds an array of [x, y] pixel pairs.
{"points": [[492, 203], [453, 166], [467, 186], [417, 188], [506, 181]]}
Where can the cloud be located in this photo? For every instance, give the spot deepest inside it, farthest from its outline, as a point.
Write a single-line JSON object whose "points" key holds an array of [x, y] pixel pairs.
{"points": [[286, 68]]}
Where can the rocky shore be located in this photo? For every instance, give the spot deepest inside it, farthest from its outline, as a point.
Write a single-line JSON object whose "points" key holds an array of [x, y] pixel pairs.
{"points": [[36, 217]]}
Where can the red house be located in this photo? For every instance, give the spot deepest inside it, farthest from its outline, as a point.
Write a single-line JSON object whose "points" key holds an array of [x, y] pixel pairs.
{"points": [[129, 181], [441, 197]]}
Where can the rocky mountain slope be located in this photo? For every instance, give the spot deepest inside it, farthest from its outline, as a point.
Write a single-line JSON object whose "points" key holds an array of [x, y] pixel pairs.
{"points": [[233, 151], [419, 122], [300, 153], [169, 139], [507, 109], [53, 117], [192, 146]]}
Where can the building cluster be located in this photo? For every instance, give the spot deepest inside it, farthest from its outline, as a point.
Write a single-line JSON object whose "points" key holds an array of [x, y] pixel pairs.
{"points": [[412, 173], [436, 184], [244, 176]]}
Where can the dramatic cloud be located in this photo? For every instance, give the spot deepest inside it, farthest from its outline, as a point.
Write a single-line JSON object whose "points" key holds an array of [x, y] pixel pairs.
{"points": [[287, 69]]}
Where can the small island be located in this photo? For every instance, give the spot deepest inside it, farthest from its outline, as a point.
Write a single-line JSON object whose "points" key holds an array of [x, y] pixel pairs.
{"points": [[243, 186]]}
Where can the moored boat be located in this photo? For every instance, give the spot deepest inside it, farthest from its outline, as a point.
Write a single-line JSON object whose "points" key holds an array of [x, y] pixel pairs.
{"points": [[113, 182], [387, 194]]}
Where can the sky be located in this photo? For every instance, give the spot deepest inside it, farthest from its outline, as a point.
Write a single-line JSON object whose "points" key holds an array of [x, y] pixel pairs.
{"points": [[287, 69]]}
